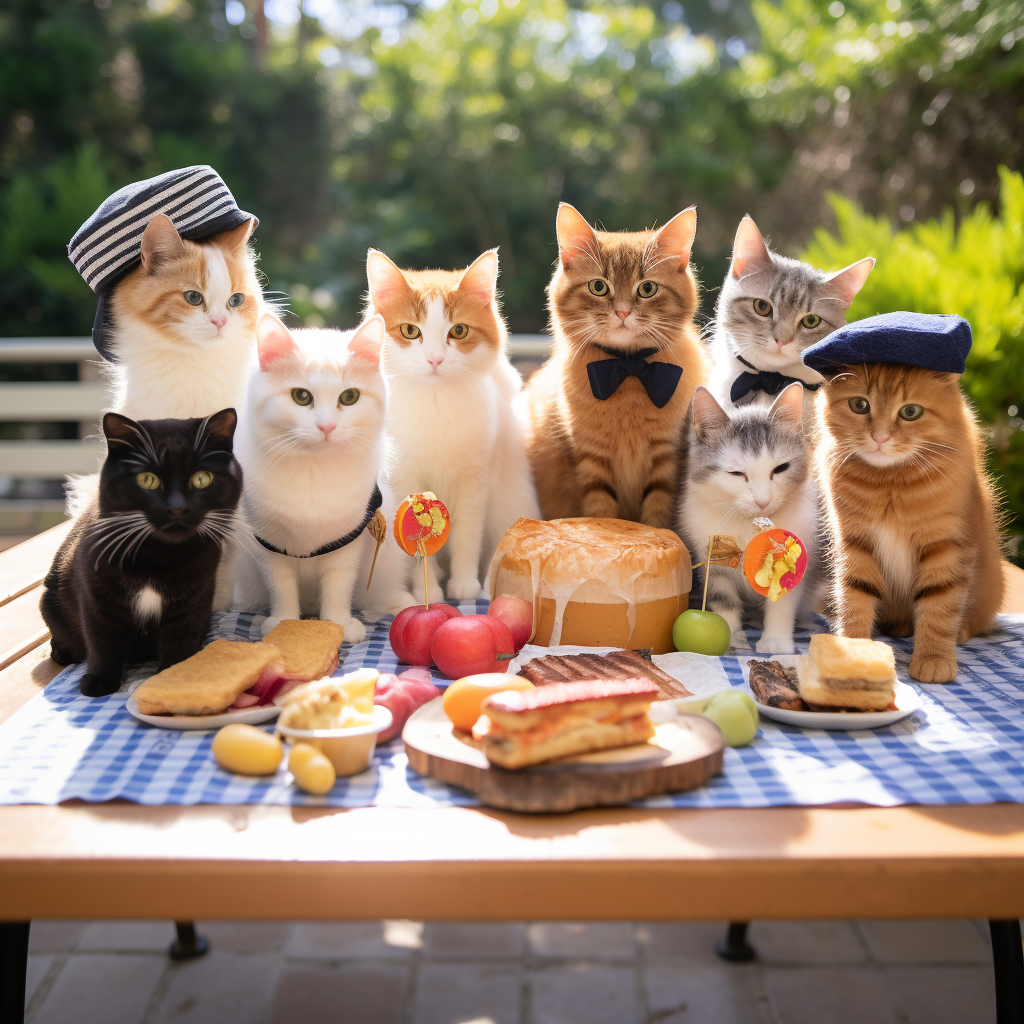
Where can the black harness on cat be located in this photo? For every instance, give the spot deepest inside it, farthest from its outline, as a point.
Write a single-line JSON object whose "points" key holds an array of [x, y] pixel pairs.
{"points": [[658, 379], [371, 507], [768, 381]]}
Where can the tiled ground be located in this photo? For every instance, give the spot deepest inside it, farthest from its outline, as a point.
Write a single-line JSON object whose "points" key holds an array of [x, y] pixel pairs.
{"points": [[405, 972]]}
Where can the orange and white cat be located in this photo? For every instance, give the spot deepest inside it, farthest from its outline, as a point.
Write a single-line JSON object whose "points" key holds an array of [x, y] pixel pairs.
{"points": [[913, 518], [451, 424], [615, 294], [183, 324]]}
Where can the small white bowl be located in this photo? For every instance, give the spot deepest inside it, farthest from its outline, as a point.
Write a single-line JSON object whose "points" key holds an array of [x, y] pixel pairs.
{"points": [[349, 750]]}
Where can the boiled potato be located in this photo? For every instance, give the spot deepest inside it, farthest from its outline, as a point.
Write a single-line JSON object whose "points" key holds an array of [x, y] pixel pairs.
{"points": [[311, 769], [247, 750]]}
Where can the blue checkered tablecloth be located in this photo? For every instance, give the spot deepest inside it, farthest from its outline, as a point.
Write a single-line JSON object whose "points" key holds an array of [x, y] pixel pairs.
{"points": [[964, 746]]}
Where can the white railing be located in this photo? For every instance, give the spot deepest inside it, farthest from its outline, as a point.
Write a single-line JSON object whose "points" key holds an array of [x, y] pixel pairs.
{"points": [[82, 401]]}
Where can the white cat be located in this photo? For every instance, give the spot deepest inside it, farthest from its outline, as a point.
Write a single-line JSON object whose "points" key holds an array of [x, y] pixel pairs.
{"points": [[770, 309], [753, 462], [183, 325], [311, 444], [182, 329], [450, 416]]}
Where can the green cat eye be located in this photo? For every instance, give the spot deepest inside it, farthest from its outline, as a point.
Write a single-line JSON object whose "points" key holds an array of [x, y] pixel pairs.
{"points": [[646, 289], [762, 307], [235, 300], [861, 406], [193, 298], [409, 331], [912, 412], [598, 287], [201, 479], [349, 396], [300, 396], [810, 321], [148, 481], [459, 331]]}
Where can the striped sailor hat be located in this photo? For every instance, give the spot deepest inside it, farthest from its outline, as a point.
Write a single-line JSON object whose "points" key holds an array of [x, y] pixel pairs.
{"points": [[109, 244]]}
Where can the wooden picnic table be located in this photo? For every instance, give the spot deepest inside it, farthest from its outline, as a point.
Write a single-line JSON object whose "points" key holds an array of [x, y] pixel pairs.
{"points": [[121, 860]]}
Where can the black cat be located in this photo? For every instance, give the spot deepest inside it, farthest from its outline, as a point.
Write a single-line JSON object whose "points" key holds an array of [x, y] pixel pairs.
{"points": [[134, 579]]}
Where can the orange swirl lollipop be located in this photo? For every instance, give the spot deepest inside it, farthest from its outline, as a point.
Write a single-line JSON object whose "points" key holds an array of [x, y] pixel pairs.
{"points": [[421, 524], [774, 562]]}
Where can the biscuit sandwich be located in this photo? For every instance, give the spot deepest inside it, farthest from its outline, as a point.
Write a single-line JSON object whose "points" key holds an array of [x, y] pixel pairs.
{"points": [[212, 680], [844, 672], [518, 728]]}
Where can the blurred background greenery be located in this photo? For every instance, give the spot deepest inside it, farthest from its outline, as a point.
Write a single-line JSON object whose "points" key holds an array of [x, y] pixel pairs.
{"points": [[438, 129]]}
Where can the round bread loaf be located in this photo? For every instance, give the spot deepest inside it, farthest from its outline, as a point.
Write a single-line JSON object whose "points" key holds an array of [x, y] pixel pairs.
{"points": [[595, 582]]}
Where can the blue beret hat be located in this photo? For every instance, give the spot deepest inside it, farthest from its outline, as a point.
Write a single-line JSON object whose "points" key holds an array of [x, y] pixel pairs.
{"points": [[933, 341], [109, 244]]}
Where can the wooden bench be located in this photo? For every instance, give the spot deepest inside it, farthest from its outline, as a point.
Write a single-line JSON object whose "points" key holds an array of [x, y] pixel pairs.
{"points": [[121, 860]]}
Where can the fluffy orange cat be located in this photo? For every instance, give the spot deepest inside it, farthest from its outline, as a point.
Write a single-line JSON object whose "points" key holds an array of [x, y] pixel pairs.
{"points": [[616, 294], [913, 516]]}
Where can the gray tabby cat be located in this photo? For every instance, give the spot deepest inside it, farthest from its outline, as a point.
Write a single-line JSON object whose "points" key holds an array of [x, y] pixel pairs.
{"points": [[741, 465], [769, 310]]}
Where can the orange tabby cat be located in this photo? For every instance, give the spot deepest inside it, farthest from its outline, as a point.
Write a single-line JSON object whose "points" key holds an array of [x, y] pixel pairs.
{"points": [[615, 294], [913, 515]]}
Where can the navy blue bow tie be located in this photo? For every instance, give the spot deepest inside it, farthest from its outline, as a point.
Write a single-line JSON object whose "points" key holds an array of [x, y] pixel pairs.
{"points": [[659, 379], [768, 381]]}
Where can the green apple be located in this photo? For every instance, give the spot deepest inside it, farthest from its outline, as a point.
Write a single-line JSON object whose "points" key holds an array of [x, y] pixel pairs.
{"points": [[735, 713], [701, 633]]}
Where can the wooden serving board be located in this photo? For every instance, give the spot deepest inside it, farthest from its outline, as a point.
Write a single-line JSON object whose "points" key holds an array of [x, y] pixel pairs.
{"points": [[683, 754]]}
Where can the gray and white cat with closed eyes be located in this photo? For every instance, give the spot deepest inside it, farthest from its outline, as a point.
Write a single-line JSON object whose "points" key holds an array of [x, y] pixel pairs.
{"points": [[741, 465], [770, 309]]}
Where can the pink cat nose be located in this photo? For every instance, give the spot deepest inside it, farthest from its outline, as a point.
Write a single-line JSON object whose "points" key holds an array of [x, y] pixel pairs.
{"points": [[762, 503], [326, 427], [880, 439], [435, 361], [622, 313], [218, 321]]}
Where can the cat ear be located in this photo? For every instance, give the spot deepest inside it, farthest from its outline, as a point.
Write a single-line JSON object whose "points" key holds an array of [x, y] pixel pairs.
{"points": [[272, 340], [384, 278], [220, 427], [366, 342], [575, 236], [676, 237], [234, 240], [708, 415], [844, 284], [789, 406], [481, 279], [749, 253], [160, 241], [119, 428]]}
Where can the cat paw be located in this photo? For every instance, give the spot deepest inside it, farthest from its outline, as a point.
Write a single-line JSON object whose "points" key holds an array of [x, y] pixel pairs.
{"points": [[933, 668], [463, 589], [355, 631], [775, 645], [269, 623], [739, 640], [94, 684]]}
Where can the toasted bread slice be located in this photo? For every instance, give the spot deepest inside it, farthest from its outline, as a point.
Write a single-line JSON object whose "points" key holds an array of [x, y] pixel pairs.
{"points": [[841, 657], [209, 682], [309, 647]]}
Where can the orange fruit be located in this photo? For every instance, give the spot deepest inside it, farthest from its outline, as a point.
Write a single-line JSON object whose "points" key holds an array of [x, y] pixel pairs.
{"points": [[462, 700]]}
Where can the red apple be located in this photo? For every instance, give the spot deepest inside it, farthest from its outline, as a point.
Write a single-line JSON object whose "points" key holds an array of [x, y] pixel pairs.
{"points": [[472, 644], [517, 615], [413, 629]]}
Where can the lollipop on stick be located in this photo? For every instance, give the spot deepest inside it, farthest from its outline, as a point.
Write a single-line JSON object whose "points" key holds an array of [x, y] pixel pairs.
{"points": [[421, 527]]}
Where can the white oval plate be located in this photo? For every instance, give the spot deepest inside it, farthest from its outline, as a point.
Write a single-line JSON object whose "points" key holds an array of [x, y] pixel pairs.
{"points": [[246, 716], [907, 700]]}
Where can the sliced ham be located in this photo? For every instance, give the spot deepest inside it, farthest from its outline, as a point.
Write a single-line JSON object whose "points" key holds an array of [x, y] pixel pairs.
{"points": [[244, 700], [402, 695]]}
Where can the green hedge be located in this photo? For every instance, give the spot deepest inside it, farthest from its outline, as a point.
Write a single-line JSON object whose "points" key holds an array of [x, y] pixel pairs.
{"points": [[973, 266]]}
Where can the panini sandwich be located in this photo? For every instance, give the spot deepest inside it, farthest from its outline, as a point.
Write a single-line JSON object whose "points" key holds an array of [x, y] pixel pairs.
{"points": [[518, 728]]}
